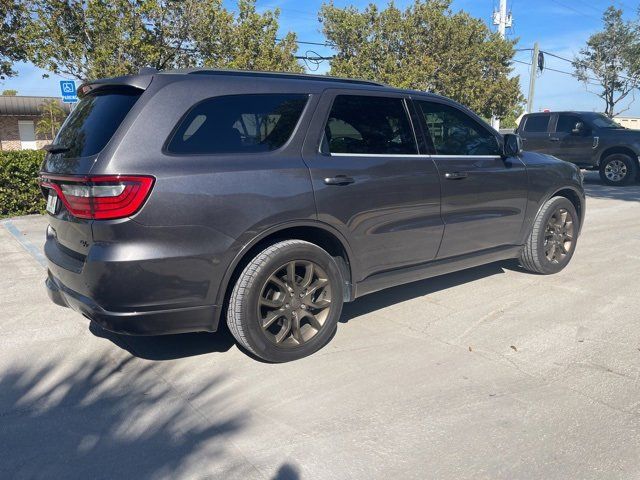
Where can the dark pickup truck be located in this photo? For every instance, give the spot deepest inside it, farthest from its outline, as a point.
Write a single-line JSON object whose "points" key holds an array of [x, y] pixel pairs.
{"points": [[590, 140]]}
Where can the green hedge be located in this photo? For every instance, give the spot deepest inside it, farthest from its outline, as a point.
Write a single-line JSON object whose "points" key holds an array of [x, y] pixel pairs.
{"points": [[19, 191]]}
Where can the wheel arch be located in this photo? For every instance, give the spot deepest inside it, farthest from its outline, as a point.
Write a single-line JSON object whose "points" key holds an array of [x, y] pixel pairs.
{"points": [[318, 233], [573, 194], [618, 149]]}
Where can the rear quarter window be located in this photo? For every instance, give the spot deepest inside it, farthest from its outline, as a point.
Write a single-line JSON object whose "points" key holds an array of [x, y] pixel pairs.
{"points": [[238, 124], [537, 124], [93, 122]]}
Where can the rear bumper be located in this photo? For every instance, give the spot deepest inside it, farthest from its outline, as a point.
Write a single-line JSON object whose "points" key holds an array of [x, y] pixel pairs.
{"points": [[139, 322]]}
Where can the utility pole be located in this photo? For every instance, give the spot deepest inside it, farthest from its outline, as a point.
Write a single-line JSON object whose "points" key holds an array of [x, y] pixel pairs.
{"points": [[503, 20], [532, 76]]}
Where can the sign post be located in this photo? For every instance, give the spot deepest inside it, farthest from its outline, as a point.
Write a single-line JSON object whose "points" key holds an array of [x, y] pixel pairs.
{"points": [[68, 91]]}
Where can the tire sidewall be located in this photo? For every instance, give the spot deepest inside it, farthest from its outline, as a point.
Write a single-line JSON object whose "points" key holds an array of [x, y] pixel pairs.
{"points": [[556, 203], [627, 160], [254, 335]]}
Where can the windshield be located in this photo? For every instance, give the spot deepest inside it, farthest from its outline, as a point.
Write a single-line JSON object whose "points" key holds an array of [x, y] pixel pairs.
{"points": [[93, 122], [602, 121]]}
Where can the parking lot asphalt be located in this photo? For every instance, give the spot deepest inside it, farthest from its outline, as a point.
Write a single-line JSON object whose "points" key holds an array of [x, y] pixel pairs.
{"points": [[487, 373]]}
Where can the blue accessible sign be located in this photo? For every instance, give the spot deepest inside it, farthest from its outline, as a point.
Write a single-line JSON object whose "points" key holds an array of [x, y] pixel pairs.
{"points": [[68, 91]]}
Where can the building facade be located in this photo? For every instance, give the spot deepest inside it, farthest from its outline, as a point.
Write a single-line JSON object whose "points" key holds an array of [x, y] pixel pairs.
{"points": [[629, 122], [19, 116]]}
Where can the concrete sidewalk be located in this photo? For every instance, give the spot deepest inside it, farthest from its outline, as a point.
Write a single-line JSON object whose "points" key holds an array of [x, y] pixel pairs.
{"points": [[489, 373]]}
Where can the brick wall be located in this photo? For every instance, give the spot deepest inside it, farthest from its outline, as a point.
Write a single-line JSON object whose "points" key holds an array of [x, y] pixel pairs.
{"points": [[10, 136]]}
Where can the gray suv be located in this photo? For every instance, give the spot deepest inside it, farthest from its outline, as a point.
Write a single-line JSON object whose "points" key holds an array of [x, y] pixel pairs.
{"points": [[590, 140], [178, 200]]}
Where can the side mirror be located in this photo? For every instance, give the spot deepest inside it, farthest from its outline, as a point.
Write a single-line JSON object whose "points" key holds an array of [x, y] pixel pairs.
{"points": [[512, 145], [578, 129]]}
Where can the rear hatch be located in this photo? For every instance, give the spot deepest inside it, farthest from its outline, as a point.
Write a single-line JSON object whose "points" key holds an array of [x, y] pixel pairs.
{"points": [[75, 198]]}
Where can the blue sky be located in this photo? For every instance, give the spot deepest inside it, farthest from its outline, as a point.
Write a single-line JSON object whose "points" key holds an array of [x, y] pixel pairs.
{"points": [[560, 26]]}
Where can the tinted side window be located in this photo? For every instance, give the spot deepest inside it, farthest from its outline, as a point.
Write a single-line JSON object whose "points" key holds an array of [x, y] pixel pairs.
{"points": [[94, 121], [455, 133], [537, 124], [238, 123], [566, 123], [370, 125]]}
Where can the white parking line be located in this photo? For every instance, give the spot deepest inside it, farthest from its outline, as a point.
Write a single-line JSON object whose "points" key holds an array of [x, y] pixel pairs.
{"points": [[26, 244]]}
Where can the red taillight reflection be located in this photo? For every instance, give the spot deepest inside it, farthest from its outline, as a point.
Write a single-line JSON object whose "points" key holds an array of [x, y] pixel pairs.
{"points": [[100, 197]]}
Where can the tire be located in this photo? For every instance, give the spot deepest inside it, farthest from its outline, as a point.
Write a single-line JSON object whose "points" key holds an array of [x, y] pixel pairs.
{"points": [[264, 295], [618, 169], [546, 234]]}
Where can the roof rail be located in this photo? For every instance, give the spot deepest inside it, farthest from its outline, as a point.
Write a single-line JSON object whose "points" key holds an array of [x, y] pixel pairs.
{"points": [[147, 70], [287, 75]]}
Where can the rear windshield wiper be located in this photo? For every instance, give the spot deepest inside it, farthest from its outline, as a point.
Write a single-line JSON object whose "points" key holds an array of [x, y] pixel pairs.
{"points": [[51, 148]]}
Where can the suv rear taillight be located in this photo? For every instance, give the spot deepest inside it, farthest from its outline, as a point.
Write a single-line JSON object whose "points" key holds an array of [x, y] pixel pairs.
{"points": [[100, 197]]}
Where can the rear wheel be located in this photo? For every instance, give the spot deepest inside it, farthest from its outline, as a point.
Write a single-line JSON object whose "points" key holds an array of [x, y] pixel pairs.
{"points": [[618, 169], [552, 241], [286, 302]]}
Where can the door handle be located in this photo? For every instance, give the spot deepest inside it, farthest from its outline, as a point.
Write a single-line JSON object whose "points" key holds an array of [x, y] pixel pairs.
{"points": [[339, 180], [455, 175], [554, 139]]}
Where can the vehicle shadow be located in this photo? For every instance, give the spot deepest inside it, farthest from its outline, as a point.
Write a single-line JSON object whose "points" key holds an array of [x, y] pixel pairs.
{"points": [[409, 291], [594, 188], [169, 347], [113, 417]]}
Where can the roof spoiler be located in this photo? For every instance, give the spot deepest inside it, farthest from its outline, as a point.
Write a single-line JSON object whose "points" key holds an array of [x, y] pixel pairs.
{"points": [[140, 81]]}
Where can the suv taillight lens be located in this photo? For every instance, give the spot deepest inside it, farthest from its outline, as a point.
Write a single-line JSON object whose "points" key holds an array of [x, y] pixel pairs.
{"points": [[100, 197]]}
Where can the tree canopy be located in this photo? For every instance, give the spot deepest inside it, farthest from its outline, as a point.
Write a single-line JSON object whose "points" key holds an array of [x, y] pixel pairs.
{"points": [[425, 46], [89, 39], [247, 40], [612, 59], [13, 15]]}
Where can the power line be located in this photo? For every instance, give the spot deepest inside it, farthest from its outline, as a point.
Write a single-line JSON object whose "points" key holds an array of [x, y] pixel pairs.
{"points": [[571, 62], [301, 13], [312, 60], [556, 56], [569, 7], [592, 7], [320, 44], [558, 71]]}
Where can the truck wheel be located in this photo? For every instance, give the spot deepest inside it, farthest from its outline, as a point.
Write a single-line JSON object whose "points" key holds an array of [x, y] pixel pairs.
{"points": [[552, 241], [618, 169], [286, 302]]}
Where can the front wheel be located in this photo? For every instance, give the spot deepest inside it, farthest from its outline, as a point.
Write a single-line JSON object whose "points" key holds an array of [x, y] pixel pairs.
{"points": [[286, 302], [552, 240], [618, 169]]}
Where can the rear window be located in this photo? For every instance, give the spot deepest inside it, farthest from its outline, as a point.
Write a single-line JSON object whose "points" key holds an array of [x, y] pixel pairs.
{"points": [[238, 124], [93, 122], [537, 124]]}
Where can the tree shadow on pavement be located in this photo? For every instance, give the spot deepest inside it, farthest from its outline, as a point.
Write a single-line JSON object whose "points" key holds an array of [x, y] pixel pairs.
{"points": [[170, 347], [594, 188], [113, 418], [402, 293]]}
